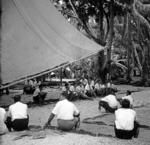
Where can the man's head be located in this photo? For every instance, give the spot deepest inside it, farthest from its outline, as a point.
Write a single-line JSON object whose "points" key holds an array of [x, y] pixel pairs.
{"points": [[128, 92], [125, 103], [17, 98], [66, 94], [67, 85]]}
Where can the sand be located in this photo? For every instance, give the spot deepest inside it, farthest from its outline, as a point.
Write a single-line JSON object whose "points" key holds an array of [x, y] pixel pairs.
{"points": [[96, 127]]}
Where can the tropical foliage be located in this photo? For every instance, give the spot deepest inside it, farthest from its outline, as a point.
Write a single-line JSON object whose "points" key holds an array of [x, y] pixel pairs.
{"points": [[120, 24]]}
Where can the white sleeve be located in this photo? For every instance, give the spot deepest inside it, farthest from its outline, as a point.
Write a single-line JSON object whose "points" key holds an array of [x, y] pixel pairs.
{"points": [[55, 110], [27, 108], [9, 112], [76, 111], [135, 116]]}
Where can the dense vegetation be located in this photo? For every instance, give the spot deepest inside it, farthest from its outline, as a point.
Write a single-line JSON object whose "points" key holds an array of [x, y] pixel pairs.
{"points": [[122, 27]]}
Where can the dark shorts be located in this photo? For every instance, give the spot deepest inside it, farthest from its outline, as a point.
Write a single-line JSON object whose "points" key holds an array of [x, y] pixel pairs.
{"points": [[127, 134], [106, 106], [17, 124]]}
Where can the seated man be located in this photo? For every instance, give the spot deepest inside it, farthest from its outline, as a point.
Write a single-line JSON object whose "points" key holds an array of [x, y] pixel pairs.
{"points": [[39, 95], [109, 103], [67, 114], [17, 117], [129, 97], [3, 128], [126, 125], [89, 90], [80, 92]]}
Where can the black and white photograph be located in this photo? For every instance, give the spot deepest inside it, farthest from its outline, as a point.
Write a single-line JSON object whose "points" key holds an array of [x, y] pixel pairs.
{"points": [[74, 72]]}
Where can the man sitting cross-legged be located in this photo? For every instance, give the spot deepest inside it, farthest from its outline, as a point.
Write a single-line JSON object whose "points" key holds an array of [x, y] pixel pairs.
{"points": [[126, 125], [17, 115], [68, 116]]}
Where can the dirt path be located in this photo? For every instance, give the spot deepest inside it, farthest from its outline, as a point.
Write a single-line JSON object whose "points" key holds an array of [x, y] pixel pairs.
{"points": [[96, 127]]}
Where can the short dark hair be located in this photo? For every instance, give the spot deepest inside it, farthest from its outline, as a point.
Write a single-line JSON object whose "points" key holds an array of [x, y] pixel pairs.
{"points": [[66, 84], [128, 92], [17, 98], [125, 103], [67, 95]]}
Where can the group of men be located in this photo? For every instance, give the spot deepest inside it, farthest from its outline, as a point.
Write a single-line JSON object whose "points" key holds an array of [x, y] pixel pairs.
{"points": [[88, 89], [68, 115], [126, 125]]}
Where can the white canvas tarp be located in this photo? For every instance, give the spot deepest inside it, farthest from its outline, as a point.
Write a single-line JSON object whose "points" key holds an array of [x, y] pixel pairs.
{"points": [[36, 37]]}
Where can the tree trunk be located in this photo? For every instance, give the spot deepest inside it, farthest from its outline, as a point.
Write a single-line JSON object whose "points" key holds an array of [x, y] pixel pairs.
{"points": [[110, 40], [101, 16], [129, 47]]}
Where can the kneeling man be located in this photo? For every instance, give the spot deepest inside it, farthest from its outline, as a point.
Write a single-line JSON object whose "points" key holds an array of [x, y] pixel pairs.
{"points": [[17, 116], [67, 114], [109, 103]]}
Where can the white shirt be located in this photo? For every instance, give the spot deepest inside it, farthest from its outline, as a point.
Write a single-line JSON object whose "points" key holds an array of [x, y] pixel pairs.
{"points": [[18, 111], [108, 85], [36, 92], [87, 87], [125, 118], [92, 84], [65, 110], [97, 86], [130, 98], [111, 100], [102, 86], [78, 89], [64, 89], [3, 127], [71, 88]]}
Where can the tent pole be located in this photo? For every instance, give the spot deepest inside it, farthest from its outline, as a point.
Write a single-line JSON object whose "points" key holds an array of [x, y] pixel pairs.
{"points": [[61, 75]]}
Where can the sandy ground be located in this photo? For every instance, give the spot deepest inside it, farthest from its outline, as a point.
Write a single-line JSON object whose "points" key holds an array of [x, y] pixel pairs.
{"points": [[96, 127]]}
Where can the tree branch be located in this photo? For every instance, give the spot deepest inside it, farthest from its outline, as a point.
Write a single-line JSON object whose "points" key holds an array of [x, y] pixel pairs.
{"points": [[143, 9], [139, 16], [84, 24]]}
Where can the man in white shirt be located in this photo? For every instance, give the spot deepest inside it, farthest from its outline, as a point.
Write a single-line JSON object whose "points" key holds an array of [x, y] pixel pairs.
{"points": [[126, 125], [17, 116], [3, 128], [67, 114], [109, 103], [89, 89], [129, 97]]}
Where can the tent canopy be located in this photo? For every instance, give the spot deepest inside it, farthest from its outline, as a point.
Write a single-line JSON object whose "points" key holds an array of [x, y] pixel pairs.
{"points": [[36, 37]]}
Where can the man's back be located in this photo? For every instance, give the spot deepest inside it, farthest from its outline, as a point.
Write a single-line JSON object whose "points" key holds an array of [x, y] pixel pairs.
{"points": [[65, 110], [3, 128], [111, 100], [18, 110], [125, 118]]}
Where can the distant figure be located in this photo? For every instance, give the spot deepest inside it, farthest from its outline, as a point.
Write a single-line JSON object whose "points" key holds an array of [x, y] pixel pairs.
{"points": [[39, 95], [17, 115], [80, 92], [28, 87], [67, 114], [89, 88], [97, 88], [65, 87], [3, 128], [109, 103], [126, 125], [129, 97]]}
